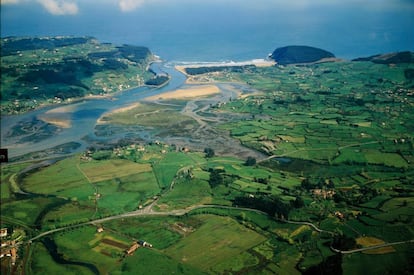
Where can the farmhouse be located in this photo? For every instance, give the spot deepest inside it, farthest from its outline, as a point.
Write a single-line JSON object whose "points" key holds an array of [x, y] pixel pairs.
{"points": [[3, 232], [144, 244], [132, 249], [339, 215], [325, 194]]}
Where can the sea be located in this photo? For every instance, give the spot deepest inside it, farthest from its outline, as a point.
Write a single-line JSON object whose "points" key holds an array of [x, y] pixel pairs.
{"points": [[228, 30]]}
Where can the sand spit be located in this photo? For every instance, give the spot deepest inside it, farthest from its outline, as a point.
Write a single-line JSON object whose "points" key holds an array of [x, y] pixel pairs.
{"points": [[187, 93], [255, 62]]}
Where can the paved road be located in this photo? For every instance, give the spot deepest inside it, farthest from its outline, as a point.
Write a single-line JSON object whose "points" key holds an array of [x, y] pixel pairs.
{"points": [[309, 224], [148, 211], [370, 247]]}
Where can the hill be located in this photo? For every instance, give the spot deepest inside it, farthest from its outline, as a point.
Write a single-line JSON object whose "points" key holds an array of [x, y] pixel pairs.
{"points": [[389, 58], [38, 70], [299, 54]]}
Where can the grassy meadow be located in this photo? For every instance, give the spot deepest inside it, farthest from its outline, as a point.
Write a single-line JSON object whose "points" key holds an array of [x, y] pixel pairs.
{"points": [[336, 172]]}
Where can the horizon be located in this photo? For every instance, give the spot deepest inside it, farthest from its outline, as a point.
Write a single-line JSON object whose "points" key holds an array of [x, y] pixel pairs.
{"points": [[181, 30]]}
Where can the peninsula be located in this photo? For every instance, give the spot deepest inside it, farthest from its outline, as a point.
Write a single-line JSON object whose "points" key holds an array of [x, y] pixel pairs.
{"points": [[55, 70]]}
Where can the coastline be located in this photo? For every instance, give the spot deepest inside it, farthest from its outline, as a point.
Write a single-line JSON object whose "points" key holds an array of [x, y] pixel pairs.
{"points": [[109, 96], [194, 79]]}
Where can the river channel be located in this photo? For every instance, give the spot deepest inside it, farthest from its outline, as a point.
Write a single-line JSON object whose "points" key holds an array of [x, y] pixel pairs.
{"points": [[83, 116]]}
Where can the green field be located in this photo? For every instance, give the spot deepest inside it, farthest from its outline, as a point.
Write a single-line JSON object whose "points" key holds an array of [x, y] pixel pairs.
{"points": [[217, 240], [337, 153]]}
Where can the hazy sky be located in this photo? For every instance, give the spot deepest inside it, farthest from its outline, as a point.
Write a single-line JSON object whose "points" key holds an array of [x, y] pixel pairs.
{"points": [[73, 7], [346, 27]]}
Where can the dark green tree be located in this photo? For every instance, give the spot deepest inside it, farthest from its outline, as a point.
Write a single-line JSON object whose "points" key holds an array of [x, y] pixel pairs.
{"points": [[216, 177], [251, 161], [298, 202], [209, 152]]}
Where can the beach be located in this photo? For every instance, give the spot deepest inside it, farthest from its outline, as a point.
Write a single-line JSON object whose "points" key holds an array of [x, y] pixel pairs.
{"points": [[255, 62], [186, 93]]}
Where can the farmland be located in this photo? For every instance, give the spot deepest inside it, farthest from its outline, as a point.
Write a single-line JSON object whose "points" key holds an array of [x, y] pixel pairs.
{"points": [[332, 173], [56, 70]]}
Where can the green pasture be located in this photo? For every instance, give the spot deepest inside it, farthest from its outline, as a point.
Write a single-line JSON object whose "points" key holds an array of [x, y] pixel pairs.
{"points": [[160, 232], [263, 221], [144, 182], [152, 115], [87, 249], [114, 200], [56, 179], [5, 190], [285, 259], [387, 159], [42, 263], [375, 202], [8, 183], [186, 193], [27, 210], [217, 240], [67, 214], [167, 168], [96, 171], [150, 261], [237, 263], [395, 263]]}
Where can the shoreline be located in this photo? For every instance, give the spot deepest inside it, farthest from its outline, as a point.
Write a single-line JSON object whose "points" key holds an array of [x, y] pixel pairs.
{"points": [[191, 78], [110, 96]]}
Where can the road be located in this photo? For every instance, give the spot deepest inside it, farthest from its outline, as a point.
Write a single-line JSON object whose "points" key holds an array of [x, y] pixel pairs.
{"points": [[316, 149], [317, 229], [148, 211], [370, 247]]}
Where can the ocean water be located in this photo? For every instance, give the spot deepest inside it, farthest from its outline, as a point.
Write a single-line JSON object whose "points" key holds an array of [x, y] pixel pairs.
{"points": [[222, 32]]}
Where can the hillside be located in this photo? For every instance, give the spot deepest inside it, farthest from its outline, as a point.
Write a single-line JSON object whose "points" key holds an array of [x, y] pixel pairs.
{"points": [[299, 54], [44, 70], [390, 58]]}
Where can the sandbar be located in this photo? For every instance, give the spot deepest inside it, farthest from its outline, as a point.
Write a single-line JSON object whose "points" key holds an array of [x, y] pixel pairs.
{"points": [[60, 116], [186, 93]]}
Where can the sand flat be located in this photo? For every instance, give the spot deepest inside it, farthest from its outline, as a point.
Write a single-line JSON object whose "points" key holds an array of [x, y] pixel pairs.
{"points": [[61, 116], [191, 92]]}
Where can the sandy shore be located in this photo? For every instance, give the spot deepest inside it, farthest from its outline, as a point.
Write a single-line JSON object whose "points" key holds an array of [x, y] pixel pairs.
{"points": [[255, 62], [192, 92]]}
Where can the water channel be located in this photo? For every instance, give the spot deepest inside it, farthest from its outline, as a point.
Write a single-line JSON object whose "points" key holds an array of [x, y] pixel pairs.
{"points": [[83, 116]]}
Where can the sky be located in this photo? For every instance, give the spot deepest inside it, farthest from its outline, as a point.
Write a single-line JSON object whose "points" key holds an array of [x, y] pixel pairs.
{"points": [[239, 28], [73, 7]]}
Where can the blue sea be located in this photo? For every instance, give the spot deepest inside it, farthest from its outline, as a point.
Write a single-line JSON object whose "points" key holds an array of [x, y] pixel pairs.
{"points": [[226, 30]]}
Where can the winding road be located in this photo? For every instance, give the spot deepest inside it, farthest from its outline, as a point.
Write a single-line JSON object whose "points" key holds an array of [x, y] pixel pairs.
{"points": [[148, 211]]}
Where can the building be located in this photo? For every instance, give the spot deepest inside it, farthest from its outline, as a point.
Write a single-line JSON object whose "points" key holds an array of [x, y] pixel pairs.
{"points": [[144, 244], [3, 232], [132, 249]]}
